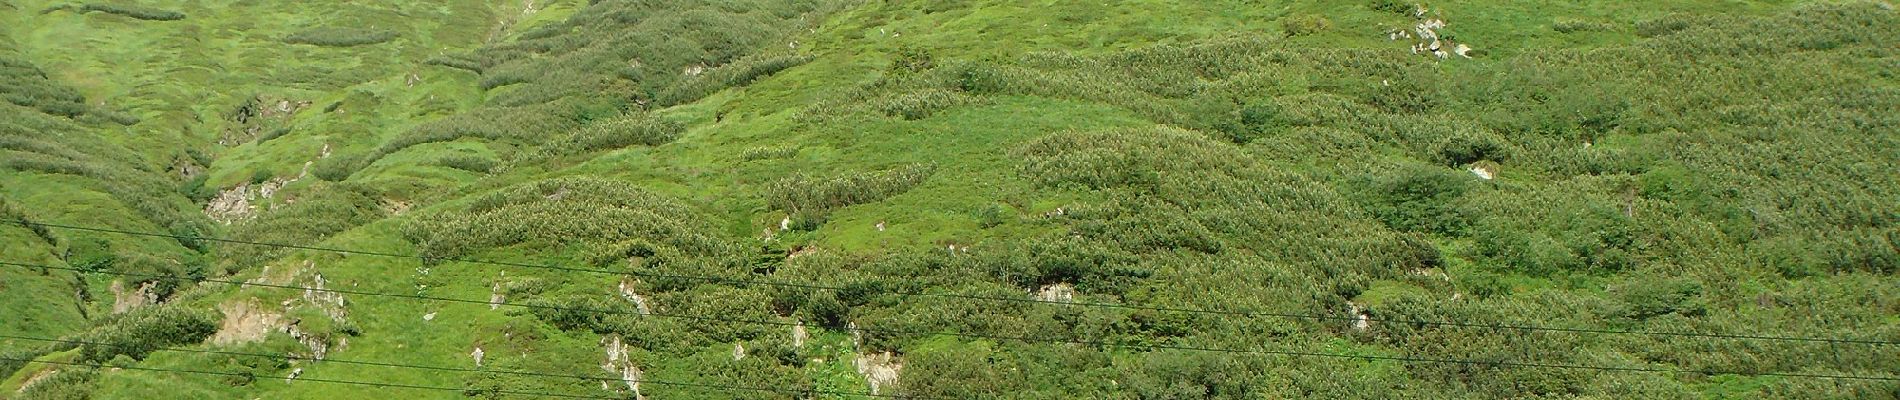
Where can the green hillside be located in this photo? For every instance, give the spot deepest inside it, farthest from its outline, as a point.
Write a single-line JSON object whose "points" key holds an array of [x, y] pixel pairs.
{"points": [[841, 199]]}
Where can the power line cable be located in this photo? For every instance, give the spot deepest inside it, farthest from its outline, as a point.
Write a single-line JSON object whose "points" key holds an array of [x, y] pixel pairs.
{"points": [[812, 286], [1097, 343]]}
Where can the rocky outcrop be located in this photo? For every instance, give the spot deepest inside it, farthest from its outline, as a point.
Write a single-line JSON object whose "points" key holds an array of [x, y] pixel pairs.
{"points": [[124, 300], [619, 363], [879, 370]]}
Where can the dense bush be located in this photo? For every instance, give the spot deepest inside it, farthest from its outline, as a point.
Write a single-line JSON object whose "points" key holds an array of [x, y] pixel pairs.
{"points": [[1418, 198], [629, 130], [321, 211], [922, 104], [68, 384], [767, 153], [129, 10], [601, 220], [816, 195], [340, 37], [26, 85], [470, 163], [145, 329], [1305, 25], [738, 73]]}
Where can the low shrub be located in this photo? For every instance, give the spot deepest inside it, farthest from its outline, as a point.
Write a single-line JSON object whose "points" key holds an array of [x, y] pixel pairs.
{"points": [[923, 103], [145, 329], [767, 153], [470, 163], [603, 220], [1307, 25], [630, 130], [811, 194], [133, 11], [340, 37], [738, 73]]}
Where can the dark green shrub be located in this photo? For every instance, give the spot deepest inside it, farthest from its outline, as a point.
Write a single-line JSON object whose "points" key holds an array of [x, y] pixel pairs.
{"points": [[470, 163], [922, 104], [456, 62], [767, 153], [819, 194], [602, 220], [133, 11], [1469, 146], [337, 168], [261, 175], [1417, 198], [739, 73], [273, 134], [71, 383], [992, 216], [911, 59], [1650, 298], [140, 331], [1663, 26], [1306, 25], [1392, 6], [340, 37], [629, 130]]}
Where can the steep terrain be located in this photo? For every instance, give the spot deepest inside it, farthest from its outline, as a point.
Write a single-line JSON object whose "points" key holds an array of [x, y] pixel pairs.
{"points": [[949, 199]]}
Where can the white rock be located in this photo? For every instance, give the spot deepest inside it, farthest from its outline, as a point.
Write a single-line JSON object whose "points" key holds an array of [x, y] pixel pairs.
{"points": [[1483, 173]]}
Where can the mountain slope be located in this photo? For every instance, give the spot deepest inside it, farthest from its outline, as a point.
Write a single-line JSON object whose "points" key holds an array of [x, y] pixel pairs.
{"points": [[957, 199]]}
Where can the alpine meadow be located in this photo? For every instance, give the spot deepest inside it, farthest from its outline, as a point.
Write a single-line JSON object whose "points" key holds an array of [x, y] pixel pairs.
{"points": [[949, 199]]}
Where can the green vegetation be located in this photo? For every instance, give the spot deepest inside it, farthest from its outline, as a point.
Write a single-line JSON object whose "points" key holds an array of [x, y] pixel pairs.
{"points": [[340, 37], [801, 194], [129, 10]]}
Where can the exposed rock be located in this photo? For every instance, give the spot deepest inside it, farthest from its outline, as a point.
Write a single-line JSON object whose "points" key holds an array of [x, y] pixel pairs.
{"points": [[477, 355], [245, 322], [126, 301], [639, 302], [237, 204], [1060, 292], [429, 317], [293, 375], [619, 362], [738, 351], [495, 298], [879, 369], [1484, 172], [1360, 321]]}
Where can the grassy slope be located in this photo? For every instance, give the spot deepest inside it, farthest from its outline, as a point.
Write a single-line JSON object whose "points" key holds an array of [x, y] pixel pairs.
{"points": [[705, 167]]}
